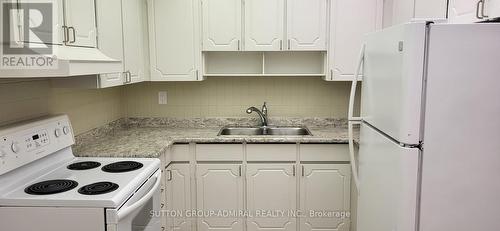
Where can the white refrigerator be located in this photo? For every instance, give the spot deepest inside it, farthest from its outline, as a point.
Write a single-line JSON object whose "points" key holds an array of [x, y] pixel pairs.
{"points": [[429, 147]]}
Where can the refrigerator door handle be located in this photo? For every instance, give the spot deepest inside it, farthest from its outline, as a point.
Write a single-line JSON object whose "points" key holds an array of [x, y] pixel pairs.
{"points": [[354, 120]]}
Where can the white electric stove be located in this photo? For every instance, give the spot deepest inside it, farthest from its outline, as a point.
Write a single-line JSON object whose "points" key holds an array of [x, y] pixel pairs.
{"points": [[44, 187]]}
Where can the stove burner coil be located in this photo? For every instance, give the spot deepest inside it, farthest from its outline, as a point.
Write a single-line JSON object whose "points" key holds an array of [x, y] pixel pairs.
{"points": [[98, 188], [51, 187], [85, 165], [122, 166]]}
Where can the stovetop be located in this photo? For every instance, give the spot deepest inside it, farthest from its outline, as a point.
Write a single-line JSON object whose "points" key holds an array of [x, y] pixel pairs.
{"points": [[83, 182]]}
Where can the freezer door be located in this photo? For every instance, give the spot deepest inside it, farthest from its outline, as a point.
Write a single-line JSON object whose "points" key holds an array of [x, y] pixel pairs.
{"points": [[461, 158], [392, 82], [387, 199]]}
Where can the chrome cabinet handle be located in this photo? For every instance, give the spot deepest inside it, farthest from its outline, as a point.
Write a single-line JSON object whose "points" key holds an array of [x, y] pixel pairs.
{"points": [[73, 33], [303, 171], [169, 176], [289, 44], [239, 45], [293, 170], [239, 170], [65, 34], [477, 9], [482, 9]]}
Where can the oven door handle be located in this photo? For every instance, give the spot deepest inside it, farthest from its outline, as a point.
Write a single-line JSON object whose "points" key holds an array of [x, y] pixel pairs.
{"points": [[123, 212]]}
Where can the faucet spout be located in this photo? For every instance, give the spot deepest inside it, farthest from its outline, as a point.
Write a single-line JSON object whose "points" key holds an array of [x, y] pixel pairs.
{"points": [[262, 115]]}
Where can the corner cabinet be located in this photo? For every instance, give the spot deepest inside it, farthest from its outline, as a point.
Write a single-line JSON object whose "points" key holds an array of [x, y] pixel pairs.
{"points": [[135, 40], [178, 196], [307, 22], [347, 30], [264, 25], [175, 40]]}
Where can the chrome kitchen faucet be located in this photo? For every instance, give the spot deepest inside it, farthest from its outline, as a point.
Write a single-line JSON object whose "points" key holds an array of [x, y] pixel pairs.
{"points": [[262, 113]]}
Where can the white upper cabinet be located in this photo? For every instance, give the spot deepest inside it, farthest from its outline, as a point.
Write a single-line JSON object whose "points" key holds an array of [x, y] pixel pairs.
{"points": [[264, 25], [222, 25], [307, 24], [42, 34], [468, 11], [135, 43], [464, 11], [493, 9], [346, 34], [174, 39], [80, 22]]}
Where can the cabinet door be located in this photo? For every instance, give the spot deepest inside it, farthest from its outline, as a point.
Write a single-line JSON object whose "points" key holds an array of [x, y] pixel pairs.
{"points": [[134, 44], [43, 34], [178, 193], [264, 25], [109, 22], [347, 31], [271, 187], [80, 17], [462, 11], [175, 43], [325, 187], [307, 24], [493, 9], [219, 187], [221, 25]]}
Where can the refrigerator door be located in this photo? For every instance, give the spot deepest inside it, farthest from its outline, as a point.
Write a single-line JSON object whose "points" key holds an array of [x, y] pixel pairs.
{"points": [[389, 175], [392, 82], [461, 157]]}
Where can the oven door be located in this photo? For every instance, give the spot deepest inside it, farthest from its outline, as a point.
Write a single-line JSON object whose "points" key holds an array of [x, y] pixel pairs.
{"points": [[137, 214]]}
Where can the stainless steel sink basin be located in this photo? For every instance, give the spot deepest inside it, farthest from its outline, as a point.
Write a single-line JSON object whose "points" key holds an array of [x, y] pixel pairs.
{"points": [[271, 131]]}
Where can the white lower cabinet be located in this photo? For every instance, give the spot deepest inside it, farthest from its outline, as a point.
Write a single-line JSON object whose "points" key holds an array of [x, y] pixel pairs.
{"points": [[219, 188], [271, 187], [325, 188], [178, 196], [280, 187]]}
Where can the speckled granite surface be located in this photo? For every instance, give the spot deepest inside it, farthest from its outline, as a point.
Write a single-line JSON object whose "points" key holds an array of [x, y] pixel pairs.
{"points": [[150, 137]]}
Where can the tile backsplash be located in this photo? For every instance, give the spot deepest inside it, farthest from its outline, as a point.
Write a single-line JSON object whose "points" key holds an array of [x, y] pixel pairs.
{"points": [[230, 96], [214, 97]]}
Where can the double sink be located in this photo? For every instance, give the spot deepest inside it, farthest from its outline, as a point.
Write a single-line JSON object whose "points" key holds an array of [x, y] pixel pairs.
{"points": [[259, 131]]}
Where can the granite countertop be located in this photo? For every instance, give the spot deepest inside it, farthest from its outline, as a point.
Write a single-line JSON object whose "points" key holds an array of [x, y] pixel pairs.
{"points": [[150, 138]]}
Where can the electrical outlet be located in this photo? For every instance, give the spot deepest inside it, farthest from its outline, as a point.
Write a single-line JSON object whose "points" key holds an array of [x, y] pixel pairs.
{"points": [[162, 97]]}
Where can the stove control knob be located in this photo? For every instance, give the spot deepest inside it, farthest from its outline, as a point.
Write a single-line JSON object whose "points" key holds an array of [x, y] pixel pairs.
{"points": [[66, 130], [15, 147], [57, 132]]}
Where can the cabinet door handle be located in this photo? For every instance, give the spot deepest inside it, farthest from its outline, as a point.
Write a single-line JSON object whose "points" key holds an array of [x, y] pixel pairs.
{"points": [[478, 6], [73, 33], [65, 34], [239, 45], [303, 171], [289, 44], [281, 45], [239, 170], [482, 9], [293, 170], [169, 175]]}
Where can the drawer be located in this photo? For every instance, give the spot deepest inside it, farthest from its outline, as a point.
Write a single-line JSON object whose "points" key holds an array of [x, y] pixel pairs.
{"points": [[179, 152], [219, 152], [271, 152], [324, 152]]}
